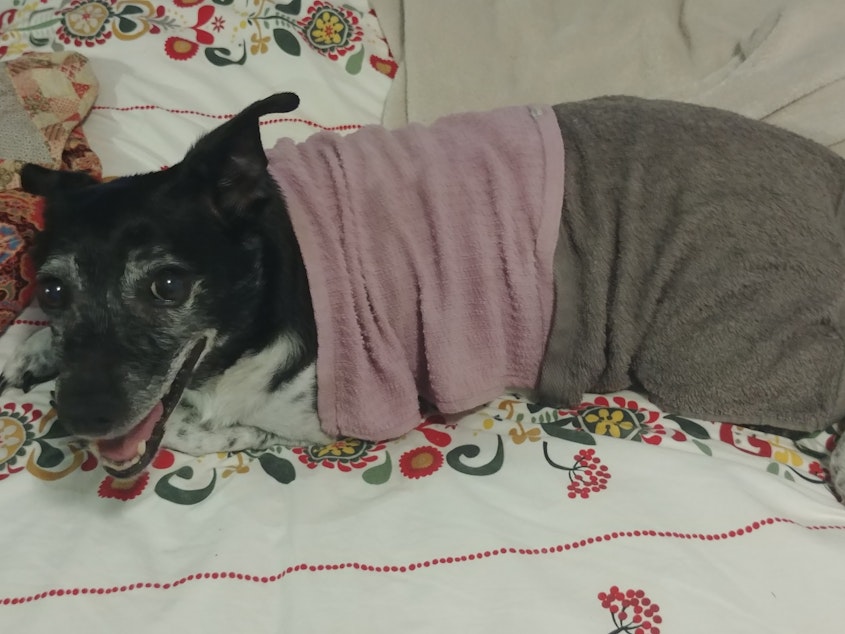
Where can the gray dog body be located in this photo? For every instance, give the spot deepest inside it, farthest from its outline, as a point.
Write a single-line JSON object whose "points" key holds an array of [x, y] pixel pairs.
{"points": [[700, 257]]}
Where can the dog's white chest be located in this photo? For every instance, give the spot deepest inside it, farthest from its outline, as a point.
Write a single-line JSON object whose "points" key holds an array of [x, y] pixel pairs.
{"points": [[242, 396]]}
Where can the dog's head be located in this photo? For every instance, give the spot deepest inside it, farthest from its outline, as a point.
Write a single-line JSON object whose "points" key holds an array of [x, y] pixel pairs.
{"points": [[156, 280]]}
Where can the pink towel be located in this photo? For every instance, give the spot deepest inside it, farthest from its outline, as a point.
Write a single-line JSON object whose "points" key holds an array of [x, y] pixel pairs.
{"points": [[429, 258]]}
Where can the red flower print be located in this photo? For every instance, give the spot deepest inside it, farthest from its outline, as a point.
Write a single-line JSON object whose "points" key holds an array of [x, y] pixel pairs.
{"points": [[164, 459], [420, 462], [123, 490], [653, 434], [384, 66], [586, 476], [435, 435], [90, 462], [6, 18], [818, 470], [204, 15], [179, 48], [737, 437], [632, 611]]}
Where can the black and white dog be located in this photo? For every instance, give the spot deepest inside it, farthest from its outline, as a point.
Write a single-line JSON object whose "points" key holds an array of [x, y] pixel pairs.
{"points": [[699, 256], [163, 309]]}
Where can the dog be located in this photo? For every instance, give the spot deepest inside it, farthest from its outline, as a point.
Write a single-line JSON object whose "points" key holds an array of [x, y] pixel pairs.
{"points": [[246, 298]]}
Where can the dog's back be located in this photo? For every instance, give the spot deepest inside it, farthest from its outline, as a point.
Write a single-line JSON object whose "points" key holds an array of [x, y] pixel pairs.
{"points": [[708, 261]]}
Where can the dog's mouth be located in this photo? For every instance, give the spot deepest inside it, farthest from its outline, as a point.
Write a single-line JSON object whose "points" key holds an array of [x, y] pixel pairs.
{"points": [[128, 455]]}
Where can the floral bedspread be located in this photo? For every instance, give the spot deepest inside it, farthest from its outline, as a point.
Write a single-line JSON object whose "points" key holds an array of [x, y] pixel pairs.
{"points": [[611, 517]]}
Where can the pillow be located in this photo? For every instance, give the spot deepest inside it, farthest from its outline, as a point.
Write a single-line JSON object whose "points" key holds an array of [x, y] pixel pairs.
{"points": [[43, 100]]}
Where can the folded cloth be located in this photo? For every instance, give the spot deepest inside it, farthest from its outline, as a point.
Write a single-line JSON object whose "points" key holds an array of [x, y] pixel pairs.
{"points": [[702, 259], [429, 257], [43, 100]]}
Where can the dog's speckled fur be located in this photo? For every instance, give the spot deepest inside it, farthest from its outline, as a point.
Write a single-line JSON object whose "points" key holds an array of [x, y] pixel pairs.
{"points": [[215, 223]]}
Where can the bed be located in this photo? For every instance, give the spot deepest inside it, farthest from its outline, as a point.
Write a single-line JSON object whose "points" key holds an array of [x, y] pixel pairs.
{"points": [[613, 516]]}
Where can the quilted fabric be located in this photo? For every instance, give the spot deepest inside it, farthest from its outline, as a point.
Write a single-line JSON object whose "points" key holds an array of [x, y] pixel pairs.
{"points": [[43, 100]]}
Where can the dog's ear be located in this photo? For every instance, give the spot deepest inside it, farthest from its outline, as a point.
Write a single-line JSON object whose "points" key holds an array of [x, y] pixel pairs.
{"points": [[43, 181], [230, 159]]}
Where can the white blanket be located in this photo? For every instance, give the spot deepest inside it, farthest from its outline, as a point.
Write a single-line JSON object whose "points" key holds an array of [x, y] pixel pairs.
{"points": [[514, 518]]}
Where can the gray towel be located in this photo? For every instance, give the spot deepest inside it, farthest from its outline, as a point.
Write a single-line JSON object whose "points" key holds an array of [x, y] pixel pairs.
{"points": [[701, 257]]}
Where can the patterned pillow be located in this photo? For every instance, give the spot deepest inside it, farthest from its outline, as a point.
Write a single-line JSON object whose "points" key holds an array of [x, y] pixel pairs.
{"points": [[43, 100]]}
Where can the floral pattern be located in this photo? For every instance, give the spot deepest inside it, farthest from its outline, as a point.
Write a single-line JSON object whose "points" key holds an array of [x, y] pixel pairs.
{"points": [[332, 31], [615, 416], [182, 48], [85, 21], [16, 435], [420, 462], [345, 454], [632, 611], [587, 474], [609, 422], [121, 489], [35, 443], [226, 32], [10, 241]]}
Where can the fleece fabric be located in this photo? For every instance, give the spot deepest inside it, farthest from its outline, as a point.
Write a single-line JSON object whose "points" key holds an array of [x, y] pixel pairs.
{"points": [[702, 258], [429, 254]]}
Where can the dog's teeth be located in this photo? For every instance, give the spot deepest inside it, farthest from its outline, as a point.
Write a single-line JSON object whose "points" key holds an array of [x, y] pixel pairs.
{"points": [[142, 447], [123, 464]]}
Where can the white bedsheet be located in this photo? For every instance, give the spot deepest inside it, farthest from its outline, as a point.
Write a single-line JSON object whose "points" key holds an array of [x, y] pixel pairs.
{"points": [[515, 517]]}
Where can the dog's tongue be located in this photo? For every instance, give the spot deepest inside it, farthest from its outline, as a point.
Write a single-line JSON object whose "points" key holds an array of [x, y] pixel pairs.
{"points": [[126, 447]]}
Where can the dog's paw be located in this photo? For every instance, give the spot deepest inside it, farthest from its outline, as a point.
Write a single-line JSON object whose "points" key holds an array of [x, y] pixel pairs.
{"points": [[188, 433], [32, 363], [837, 469], [202, 439]]}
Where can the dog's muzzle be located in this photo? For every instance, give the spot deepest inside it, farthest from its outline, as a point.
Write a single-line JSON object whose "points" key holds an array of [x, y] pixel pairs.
{"points": [[128, 455]]}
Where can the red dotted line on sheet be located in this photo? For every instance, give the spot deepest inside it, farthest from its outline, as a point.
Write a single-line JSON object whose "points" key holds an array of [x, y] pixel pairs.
{"points": [[406, 568], [30, 322], [313, 124]]}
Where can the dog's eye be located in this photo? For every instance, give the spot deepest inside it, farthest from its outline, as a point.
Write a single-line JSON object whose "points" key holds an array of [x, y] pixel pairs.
{"points": [[170, 287], [52, 294]]}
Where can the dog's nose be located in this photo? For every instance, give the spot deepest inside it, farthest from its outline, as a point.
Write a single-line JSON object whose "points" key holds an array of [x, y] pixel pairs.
{"points": [[89, 413]]}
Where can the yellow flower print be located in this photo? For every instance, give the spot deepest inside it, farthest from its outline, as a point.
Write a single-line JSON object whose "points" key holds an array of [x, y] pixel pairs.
{"points": [[331, 30], [345, 447], [519, 434], [785, 455], [12, 438], [259, 44], [609, 423], [328, 29], [241, 467]]}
